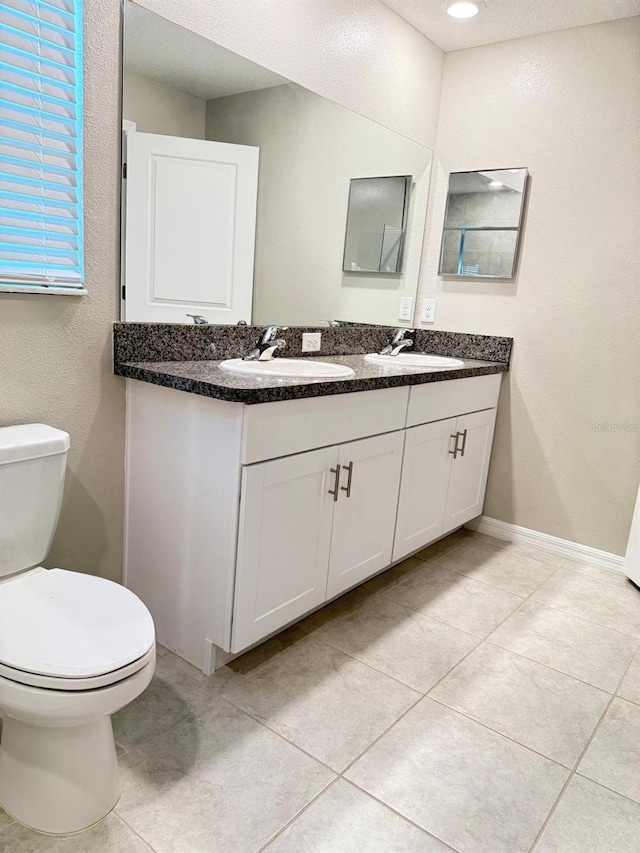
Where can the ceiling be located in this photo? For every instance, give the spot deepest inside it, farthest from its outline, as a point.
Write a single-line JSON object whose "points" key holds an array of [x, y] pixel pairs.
{"points": [[160, 49], [507, 19]]}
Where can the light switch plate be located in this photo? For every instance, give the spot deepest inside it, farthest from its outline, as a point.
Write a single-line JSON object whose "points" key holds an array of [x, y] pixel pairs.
{"points": [[311, 341], [429, 311], [405, 311]]}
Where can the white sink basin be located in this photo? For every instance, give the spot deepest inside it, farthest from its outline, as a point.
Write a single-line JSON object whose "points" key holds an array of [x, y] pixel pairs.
{"points": [[293, 368], [414, 359]]}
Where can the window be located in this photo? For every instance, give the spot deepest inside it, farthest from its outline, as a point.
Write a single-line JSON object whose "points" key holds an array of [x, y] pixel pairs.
{"points": [[41, 216]]}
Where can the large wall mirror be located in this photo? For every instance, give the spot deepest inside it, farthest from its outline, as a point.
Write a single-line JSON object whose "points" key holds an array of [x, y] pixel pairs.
{"points": [[483, 223], [239, 185]]}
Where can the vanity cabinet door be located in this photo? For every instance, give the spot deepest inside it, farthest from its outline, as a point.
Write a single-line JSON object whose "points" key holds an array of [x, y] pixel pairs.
{"points": [[469, 468], [423, 489], [284, 540], [365, 513]]}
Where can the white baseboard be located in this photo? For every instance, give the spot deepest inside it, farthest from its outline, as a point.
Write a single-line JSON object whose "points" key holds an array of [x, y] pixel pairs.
{"points": [[553, 544]]}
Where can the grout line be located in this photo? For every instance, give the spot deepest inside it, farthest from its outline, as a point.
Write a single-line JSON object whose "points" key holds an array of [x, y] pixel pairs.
{"points": [[607, 788], [577, 765], [548, 666], [298, 814], [135, 832]]}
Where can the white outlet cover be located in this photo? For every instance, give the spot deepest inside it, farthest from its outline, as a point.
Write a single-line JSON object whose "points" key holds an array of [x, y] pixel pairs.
{"points": [[405, 311], [311, 341], [429, 310]]}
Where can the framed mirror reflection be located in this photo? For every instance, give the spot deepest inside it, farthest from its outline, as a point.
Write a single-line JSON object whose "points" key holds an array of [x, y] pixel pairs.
{"points": [[238, 188], [483, 223]]}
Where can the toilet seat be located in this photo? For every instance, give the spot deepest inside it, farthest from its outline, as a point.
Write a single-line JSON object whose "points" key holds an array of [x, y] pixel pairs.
{"points": [[70, 631], [50, 682]]}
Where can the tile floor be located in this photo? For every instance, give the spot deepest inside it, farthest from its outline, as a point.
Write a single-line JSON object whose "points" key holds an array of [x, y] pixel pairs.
{"points": [[479, 698]]}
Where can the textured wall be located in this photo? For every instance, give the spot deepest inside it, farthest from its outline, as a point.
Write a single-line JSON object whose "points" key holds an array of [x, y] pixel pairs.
{"points": [[56, 350], [157, 108], [564, 104], [356, 52]]}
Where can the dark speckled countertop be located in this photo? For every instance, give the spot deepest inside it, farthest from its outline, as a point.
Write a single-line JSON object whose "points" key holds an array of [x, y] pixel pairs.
{"points": [[187, 358], [207, 379]]}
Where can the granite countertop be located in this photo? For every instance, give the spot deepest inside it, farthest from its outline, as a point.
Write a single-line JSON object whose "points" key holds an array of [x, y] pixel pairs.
{"points": [[205, 377]]}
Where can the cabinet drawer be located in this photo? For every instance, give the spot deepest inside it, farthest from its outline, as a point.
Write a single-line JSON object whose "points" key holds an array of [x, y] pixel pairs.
{"points": [[271, 430], [439, 400]]}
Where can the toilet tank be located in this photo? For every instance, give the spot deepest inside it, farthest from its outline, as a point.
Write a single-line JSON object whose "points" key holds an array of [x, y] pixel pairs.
{"points": [[32, 464]]}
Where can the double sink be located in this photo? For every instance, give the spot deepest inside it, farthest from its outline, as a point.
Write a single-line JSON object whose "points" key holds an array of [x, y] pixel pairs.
{"points": [[302, 368]]}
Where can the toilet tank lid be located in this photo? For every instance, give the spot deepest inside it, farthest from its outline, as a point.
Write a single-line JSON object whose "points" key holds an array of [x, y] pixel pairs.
{"points": [[31, 441]]}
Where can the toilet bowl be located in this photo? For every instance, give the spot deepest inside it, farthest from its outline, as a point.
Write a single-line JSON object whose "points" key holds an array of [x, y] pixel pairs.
{"points": [[74, 649]]}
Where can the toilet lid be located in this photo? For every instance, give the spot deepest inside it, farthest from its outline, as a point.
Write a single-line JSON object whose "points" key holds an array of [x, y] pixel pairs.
{"points": [[60, 623]]}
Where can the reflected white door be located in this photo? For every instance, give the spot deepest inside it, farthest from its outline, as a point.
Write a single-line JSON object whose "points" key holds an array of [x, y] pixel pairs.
{"points": [[189, 229]]}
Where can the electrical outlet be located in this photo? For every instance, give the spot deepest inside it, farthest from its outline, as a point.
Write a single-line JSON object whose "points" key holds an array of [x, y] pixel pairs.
{"points": [[311, 341], [429, 311], [405, 312]]}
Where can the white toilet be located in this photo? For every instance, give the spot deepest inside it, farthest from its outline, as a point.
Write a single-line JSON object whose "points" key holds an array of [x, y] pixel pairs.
{"points": [[73, 650]]}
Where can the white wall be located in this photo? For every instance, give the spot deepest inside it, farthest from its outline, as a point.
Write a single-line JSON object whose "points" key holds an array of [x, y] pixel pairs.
{"points": [[566, 105], [310, 148], [356, 52], [157, 108]]}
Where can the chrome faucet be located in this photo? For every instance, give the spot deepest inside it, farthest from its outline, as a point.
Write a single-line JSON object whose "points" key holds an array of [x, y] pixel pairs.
{"points": [[267, 344], [398, 342], [199, 320]]}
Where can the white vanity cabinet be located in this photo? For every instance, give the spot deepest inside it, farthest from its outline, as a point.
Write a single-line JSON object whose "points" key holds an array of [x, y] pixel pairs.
{"points": [[311, 526], [240, 519], [444, 478]]}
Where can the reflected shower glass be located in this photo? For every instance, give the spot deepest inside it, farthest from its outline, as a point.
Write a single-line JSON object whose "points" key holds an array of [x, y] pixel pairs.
{"points": [[483, 223]]}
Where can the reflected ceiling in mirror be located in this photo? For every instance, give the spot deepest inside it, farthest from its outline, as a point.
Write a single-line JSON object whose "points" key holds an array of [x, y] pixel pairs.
{"points": [[483, 223], [179, 85]]}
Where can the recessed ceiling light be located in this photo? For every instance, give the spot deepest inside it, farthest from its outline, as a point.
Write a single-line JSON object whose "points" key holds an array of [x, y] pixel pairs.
{"points": [[496, 184], [463, 8]]}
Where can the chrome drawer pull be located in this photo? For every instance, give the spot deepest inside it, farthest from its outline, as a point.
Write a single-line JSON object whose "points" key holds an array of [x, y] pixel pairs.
{"points": [[336, 483], [464, 442], [347, 488], [454, 452]]}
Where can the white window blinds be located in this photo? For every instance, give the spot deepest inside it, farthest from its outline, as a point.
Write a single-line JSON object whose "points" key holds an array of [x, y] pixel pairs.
{"points": [[41, 233]]}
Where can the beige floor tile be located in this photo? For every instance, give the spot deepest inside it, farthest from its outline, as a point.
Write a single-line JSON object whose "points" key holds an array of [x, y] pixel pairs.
{"points": [[611, 576], [567, 643], [220, 782], [590, 819], [5, 819], [526, 550], [335, 610], [457, 600], [443, 546], [400, 642], [327, 703], [346, 820], [172, 696], [393, 576], [586, 594], [161, 651], [613, 757], [111, 835], [507, 567], [630, 687], [468, 786], [536, 706]]}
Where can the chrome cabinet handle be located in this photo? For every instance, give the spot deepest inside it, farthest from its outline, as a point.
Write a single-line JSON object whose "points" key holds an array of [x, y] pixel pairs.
{"points": [[347, 488], [464, 442], [336, 483], [454, 452]]}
